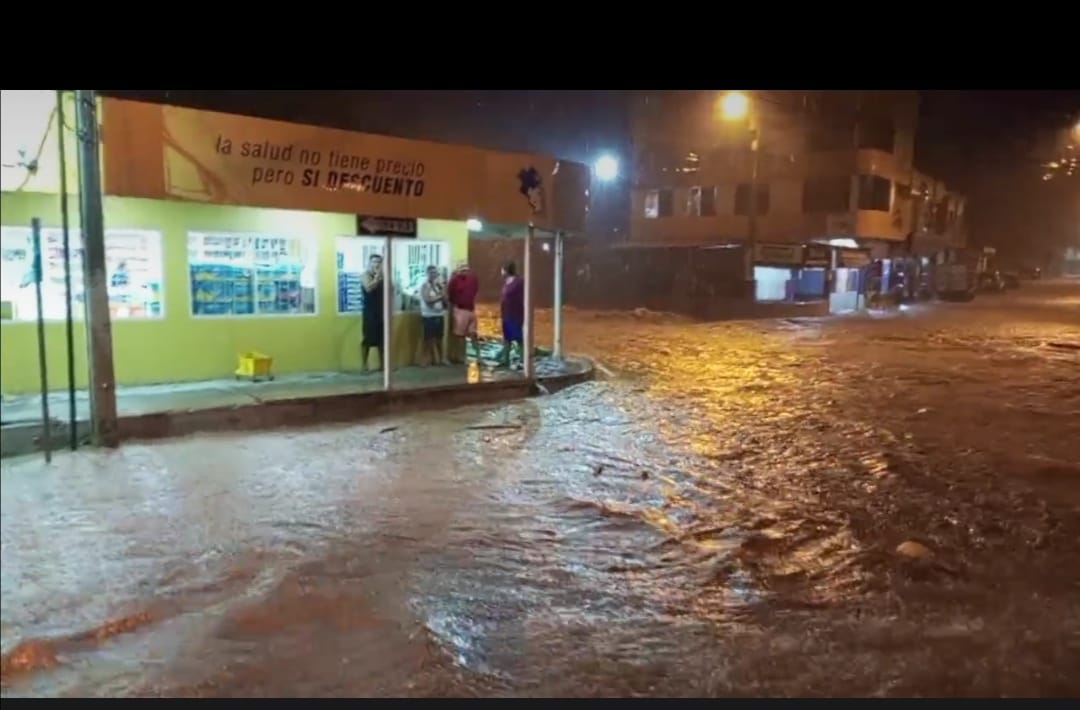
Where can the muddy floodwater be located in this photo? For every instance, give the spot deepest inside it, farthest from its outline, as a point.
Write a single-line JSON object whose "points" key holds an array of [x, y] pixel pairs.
{"points": [[721, 517]]}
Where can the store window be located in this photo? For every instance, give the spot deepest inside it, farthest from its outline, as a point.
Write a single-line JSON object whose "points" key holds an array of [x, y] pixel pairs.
{"points": [[411, 260], [233, 274], [353, 256], [133, 266]]}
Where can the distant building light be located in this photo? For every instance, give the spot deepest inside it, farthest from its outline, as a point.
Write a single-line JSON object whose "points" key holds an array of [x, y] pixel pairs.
{"points": [[606, 168]]}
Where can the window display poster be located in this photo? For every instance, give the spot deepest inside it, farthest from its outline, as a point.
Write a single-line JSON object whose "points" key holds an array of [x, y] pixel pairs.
{"points": [[133, 266], [411, 260], [353, 254], [133, 263], [251, 274]]}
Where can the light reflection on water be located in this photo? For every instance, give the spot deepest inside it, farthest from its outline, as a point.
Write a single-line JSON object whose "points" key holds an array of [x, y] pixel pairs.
{"points": [[720, 519]]}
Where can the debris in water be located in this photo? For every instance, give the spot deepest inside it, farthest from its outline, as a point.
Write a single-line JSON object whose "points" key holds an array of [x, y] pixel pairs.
{"points": [[387, 430], [644, 475], [598, 469], [493, 426], [913, 550], [923, 410]]}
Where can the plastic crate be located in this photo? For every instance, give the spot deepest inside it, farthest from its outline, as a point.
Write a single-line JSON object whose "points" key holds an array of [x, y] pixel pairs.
{"points": [[254, 366]]}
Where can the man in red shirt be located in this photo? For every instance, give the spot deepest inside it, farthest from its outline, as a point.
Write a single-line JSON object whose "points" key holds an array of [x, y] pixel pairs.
{"points": [[461, 292]]}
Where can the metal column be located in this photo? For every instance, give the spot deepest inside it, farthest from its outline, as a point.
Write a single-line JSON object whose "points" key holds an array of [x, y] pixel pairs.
{"points": [[103, 414], [528, 360], [557, 298], [388, 315], [46, 422]]}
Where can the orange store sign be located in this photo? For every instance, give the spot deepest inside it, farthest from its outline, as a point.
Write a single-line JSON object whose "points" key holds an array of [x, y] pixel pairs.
{"points": [[168, 152]]}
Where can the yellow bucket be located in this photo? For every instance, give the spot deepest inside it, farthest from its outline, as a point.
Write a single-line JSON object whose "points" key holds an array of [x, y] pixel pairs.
{"points": [[254, 364]]}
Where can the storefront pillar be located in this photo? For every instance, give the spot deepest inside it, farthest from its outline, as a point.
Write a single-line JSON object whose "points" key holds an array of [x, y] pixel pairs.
{"points": [[557, 298], [385, 355], [103, 413], [528, 359]]}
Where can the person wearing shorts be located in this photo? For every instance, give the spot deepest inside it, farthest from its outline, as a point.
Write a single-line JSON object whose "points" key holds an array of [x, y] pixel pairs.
{"points": [[461, 293], [433, 316]]}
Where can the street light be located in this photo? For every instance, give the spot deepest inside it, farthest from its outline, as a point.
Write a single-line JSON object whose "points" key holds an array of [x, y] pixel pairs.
{"points": [[606, 168], [735, 106]]}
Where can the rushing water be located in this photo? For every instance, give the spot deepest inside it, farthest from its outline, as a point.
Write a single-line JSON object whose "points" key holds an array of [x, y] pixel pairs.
{"points": [[720, 518]]}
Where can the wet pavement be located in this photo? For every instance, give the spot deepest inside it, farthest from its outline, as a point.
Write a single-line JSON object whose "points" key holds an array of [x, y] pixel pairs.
{"points": [[720, 518]]}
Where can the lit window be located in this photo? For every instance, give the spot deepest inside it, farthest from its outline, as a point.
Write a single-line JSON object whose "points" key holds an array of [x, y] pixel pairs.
{"points": [[652, 204], [693, 202]]}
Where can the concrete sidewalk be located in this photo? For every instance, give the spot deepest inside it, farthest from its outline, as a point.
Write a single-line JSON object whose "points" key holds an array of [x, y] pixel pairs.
{"points": [[169, 409]]}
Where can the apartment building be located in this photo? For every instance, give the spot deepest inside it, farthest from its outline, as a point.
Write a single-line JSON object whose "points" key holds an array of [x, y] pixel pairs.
{"points": [[833, 167]]}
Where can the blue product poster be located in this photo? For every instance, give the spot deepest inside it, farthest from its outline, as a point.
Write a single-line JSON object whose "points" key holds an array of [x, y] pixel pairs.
{"points": [[350, 292]]}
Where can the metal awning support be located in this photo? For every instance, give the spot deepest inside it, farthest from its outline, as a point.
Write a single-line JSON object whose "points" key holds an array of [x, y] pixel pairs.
{"points": [[528, 356], [557, 298]]}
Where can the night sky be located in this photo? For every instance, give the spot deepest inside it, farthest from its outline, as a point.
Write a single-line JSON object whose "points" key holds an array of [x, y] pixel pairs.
{"points": [[988, 144]]}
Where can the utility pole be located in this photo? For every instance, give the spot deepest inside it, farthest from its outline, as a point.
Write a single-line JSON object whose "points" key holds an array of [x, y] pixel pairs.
{"points": [[751, 231], [103, 414]]}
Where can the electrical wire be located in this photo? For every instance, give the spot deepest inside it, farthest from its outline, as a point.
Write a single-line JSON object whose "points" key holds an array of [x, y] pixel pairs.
{"points": [[37, 156]]}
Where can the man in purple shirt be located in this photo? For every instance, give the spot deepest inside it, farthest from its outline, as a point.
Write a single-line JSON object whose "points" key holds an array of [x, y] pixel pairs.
{"points": [[512, 308]]}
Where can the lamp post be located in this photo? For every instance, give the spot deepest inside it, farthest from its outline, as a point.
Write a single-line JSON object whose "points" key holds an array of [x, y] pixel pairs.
{"points": [[735, 106]]}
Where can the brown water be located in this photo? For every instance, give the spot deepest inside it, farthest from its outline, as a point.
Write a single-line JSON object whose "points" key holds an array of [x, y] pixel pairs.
{"points": [[719, 519]]}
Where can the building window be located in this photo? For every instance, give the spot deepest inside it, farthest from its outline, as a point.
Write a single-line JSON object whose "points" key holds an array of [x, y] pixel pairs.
{"points": [[652, 204], [133, 265], [353, 255], [742, 199], [693, 202], [875, 193], [877, 134], [251, 274], [827, 194], [665, 203], [708, 202], [659, 203]]}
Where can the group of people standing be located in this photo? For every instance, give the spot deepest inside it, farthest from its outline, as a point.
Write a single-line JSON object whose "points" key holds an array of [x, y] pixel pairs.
{"points": [[456, 297]]}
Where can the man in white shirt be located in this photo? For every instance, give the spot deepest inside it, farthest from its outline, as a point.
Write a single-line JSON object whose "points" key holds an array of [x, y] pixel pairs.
{"points": [[433, 316]]}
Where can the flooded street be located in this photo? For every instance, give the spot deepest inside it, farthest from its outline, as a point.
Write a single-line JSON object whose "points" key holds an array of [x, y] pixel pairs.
{"points": [[721, 517]]}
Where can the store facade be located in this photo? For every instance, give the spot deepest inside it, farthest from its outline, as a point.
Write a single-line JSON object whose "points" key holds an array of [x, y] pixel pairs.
{"points": [[226, 234], [791, 272]]}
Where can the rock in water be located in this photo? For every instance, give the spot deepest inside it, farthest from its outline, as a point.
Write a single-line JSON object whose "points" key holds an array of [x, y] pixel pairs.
{"points": [[913, 550]]}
